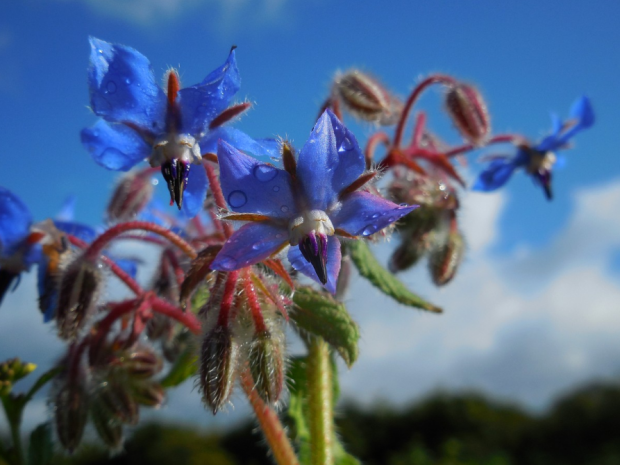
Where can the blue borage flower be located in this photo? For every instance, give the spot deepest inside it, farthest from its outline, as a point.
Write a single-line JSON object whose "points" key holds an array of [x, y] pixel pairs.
{"points": [[539, 159], [305, 206], [139, 121], [24, 244]]}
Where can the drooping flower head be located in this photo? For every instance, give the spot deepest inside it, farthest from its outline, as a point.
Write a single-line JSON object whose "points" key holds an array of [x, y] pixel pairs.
{"points": [[171, 129], [538, 160], [305, 206]]}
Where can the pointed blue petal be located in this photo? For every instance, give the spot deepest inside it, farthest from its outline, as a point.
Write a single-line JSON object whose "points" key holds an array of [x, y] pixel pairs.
{"points": [[123, 88], [363, 214], [81, 231], [45, 290], [329, 161], [115, 146], [495, 176], [15, 220], [556, 124], [67, 210], [263, 149], [251, 186], [583, 112], [298, 262], [201, 103], [195, 191], [250, 244]]}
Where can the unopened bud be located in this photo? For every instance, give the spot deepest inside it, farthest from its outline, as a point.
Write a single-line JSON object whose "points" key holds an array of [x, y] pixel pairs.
{"points": [[469, 113], [80, 286], [148, 394], [132, 193], [445, 258], [71, 412], [408, 253], [108, 427], [366, 98], [114, 397], [218, 367], [267, 365], [142, 363]]}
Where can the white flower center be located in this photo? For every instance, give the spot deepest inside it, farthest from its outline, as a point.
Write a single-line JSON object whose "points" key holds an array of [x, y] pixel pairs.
{"points": [[541, 161], [309, 221], [168, 147]]}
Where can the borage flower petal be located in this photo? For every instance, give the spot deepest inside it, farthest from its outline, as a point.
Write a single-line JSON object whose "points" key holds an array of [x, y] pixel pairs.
{"points": [[115, 146], [299, 262]]}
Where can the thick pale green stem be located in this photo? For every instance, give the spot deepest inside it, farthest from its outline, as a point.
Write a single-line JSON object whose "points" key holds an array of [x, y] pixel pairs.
{"points": [[320, 403], [14, 417]]}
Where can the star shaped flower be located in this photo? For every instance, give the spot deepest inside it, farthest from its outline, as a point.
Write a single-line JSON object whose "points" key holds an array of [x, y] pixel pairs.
{"points": [[307, 205], [171, 129], [538, 160]]}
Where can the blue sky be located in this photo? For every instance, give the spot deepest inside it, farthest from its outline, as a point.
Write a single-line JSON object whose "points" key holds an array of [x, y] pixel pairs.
{"points": [[534, 269]]}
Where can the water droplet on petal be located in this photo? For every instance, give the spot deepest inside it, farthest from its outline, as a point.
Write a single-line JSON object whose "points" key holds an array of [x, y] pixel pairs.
{"points": [[284, 208], [403, 205], [227, 263], [279, 236], [391, 219], [256, 246], [110, 87], [346, 145], [276, 188], [368, 230], [375, 216], [237, 199], [265, 173], [127, 81]]}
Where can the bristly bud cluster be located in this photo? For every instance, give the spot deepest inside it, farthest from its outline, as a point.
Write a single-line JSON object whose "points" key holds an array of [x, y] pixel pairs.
{"points": [[108, 389], [11, 371], [366, 98], [243, 328], [79, 289], [469, 113]]}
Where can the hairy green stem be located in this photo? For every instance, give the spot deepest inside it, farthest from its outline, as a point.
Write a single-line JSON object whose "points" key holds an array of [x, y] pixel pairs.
{"points": [[14, 418], [320, 403]]}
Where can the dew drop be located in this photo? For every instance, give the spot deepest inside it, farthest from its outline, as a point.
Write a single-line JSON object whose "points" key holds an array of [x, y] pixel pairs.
{"points": [[404, 205], [110, 87], [283, 208], [256, 246], [265, 173], [127, 81], [346, 145], [279, 236], [227, 263], [376, 215], [391, 219], [237, 199], [276, 188], [368, 230]]}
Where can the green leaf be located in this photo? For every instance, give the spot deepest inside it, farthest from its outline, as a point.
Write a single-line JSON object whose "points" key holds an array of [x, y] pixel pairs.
{"points": [[320, 314], [382, 279], [184, 367], [41, 447], [42, 381]]}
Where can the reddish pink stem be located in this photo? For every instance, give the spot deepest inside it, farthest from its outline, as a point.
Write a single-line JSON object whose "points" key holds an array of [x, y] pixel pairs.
{"points": [[227, 298], [371, 146], [257, 313], [95, 248], [218, 195], [499, 139], [186, 319], [418, 129], [117, 270], [434, 79]]}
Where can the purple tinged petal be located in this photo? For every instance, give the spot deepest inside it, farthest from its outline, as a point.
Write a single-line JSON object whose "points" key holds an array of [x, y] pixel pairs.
{"points": [[250, 244], [15, 221], [329, 161], [81, 231], [363, 214], [196, 190], [298, 262], [114, 146], [123, 88], [201, 103], [263, 149], [251, 186], [495, 176]]}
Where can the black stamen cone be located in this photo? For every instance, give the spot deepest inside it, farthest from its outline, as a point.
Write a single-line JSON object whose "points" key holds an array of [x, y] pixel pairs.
{"points": [[176, 174], [317, 260], [6, 278], [166, 171]]}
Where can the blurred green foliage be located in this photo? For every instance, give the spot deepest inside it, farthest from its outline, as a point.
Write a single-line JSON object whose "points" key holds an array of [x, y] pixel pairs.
{"points": [[466, 429]]}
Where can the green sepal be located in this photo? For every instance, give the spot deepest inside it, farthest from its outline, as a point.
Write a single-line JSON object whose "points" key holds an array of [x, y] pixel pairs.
{"points": [[185, 366], [382, 279], [318, 313], [41, 447]]}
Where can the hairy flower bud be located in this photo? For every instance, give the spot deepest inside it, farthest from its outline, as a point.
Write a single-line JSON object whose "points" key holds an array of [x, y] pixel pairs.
{"points": [[142, 363], [267, 365], [149, 394], [80, 286], [113, 396], [445, 258], [408, 253], [469, 113], [132, 193], [109, 428], [71, 411], [218, 367], [366, 98]]}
